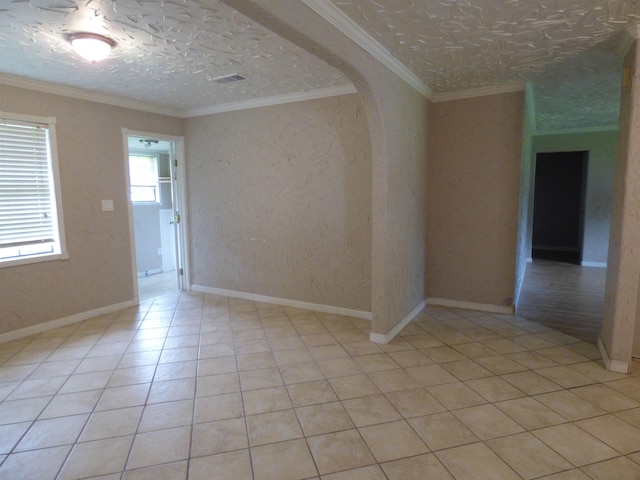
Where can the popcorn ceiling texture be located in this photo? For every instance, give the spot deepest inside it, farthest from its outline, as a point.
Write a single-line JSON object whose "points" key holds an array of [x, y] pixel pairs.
{"points": [[167, 52], [566, 48]]}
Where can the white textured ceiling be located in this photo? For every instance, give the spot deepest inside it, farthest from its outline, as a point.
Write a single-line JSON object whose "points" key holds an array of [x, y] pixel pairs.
{"points": [[169, 51], [565, 47]]}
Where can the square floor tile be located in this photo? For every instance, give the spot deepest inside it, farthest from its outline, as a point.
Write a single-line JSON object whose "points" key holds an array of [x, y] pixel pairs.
{"points": [[442, 430], [112, 423], [266, 400], [606, 398], [390, 441], [416, 468], [218, 407], [160, 416], [257, 379], [160, 446], [456, 395], [41, 464], [530, 413], [569, 405], [95, 458], [531, 383], [619, 468], [414, 403], [486, 421], [371, 410], [614, 432], [283, 461], [228, 466], [311, 393], [10, 434], [372, 472], [273, 427], [574, 444], [168, 471], [339, 451], [353, 387], [528, 456], [217, 437], [393, 380], [52, 432], [324, 418], [471, 462]]}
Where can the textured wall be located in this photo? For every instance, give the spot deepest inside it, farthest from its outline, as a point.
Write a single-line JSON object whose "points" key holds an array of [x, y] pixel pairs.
{"points": [[601, 169], [92, 167], [622, 306], [280, 201], [395, 112], [473, 191]]}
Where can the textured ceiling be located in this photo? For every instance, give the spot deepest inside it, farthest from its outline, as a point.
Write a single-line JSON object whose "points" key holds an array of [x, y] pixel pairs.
{"points": [[565, 47], [169, 51]]}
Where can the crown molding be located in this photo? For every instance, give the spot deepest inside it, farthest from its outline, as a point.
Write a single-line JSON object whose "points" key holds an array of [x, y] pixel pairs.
{"points": [[80, 94], [351, 29], [268, 101], [478, 92], [576, 130], [629, 35], [530, 99]]}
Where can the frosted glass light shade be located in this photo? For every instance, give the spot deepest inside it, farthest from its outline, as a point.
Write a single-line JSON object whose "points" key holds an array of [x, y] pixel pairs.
{"points": [[91, 46]]}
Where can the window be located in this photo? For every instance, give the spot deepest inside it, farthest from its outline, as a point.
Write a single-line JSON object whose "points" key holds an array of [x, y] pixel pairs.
{"points": [[143, 176], [30, 207]]}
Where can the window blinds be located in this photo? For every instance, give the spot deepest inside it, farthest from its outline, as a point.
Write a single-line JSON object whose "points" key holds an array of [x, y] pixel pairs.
{"points": [[27, 207]]}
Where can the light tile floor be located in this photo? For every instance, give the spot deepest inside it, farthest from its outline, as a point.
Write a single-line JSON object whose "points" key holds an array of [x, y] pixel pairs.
{"points": [[205, 387]]}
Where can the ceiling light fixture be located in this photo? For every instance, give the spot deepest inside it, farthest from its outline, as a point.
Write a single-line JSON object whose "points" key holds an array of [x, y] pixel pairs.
{"points": [[91, 46]]}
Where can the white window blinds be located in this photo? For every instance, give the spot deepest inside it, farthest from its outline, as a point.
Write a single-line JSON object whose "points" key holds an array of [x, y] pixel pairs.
{"points": [[28, 217]]}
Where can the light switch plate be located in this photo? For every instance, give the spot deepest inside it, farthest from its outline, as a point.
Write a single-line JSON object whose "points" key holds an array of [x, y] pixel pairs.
{"points": [[107, 205]]}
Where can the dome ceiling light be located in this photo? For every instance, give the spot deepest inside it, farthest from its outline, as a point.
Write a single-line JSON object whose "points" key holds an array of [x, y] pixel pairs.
{"points": [[91, 46]]}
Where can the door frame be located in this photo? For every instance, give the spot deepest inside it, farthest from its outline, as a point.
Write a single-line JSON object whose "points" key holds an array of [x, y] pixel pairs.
{"points": [[583, 195], [182, 233]]}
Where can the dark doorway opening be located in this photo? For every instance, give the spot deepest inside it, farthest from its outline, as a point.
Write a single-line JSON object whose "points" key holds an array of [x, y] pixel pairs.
{"points": [[558, 206]]}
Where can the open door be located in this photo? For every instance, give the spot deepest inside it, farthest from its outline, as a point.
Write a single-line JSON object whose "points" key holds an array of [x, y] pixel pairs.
{"points": [[156, 210], [559, 206]]}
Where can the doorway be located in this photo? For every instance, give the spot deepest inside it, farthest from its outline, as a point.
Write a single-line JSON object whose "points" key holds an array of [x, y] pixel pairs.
{"points": [[156, 214], [559, 206]]}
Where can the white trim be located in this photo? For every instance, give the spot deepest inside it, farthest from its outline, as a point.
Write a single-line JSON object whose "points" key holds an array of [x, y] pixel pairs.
{"points": [[529, 260], [630, 34], [80, 94], [351, 29], [530, 99], [481, 307], [386, 338], [316, 307], [612, 365], [577, 130], [61, 322], [269, 101], [478, 92], [593, 264], [147, 273]]}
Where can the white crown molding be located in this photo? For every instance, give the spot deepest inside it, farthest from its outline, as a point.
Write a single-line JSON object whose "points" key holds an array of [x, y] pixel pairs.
{"points": [[577, 130], [478, 92], [268, 101], [81, 94], [351, 29]]}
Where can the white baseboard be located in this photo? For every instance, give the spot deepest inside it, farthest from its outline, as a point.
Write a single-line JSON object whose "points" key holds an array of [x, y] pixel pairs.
{"points": [[146, 273], [62, 322], [384, 339], [612, 365], [594, 264], [315, 307], [481, 307]]}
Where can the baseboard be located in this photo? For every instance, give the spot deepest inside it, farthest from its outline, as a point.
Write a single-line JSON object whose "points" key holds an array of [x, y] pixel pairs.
{"points": [[285, 302], [146, 273], [612, 365], [62, 322], [481, 307], [384, 339], [594, 264]]}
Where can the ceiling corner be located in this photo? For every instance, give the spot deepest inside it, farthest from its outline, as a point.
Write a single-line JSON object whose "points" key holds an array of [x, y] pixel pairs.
{"points": [[351, 29]]}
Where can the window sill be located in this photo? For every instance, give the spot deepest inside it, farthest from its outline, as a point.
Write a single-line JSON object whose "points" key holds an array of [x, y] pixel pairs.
{"points": [[47, 257]]}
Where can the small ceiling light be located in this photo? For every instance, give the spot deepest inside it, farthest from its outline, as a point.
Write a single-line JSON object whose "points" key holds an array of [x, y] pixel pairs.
{"points": [[91, 46]]}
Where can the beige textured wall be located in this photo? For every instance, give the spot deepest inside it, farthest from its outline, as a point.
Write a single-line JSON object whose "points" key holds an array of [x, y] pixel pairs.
{"points": [[280, 201], [601, 169], [396, 115], [92, 167], [622, 309], [472, 198]]}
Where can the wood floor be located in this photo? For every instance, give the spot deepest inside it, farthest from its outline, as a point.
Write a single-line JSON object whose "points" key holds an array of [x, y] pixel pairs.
{"points": [[565, 297]]}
